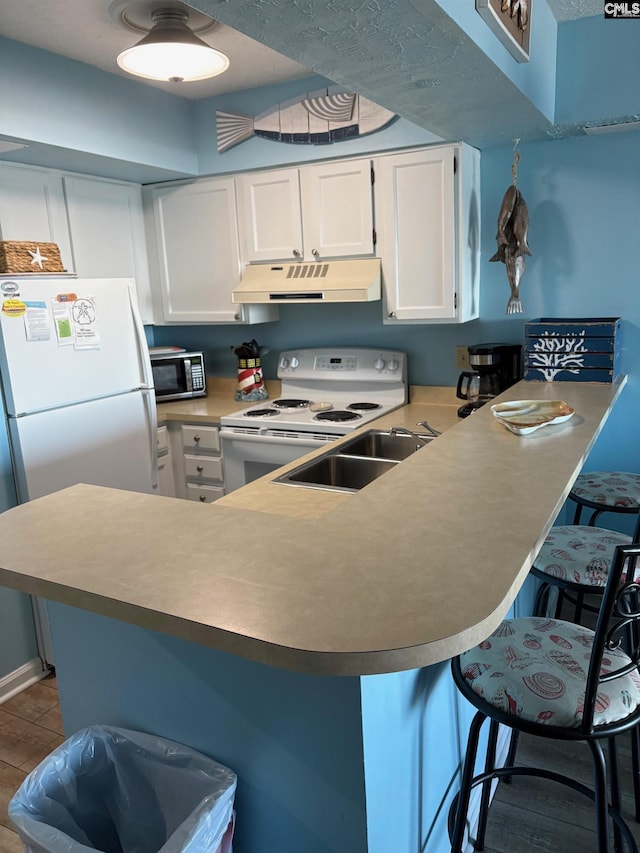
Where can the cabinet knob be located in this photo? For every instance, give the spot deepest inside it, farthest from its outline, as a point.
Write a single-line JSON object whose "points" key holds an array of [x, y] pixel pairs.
{"points": [[315, 253], [203, 498], [391, 314], [196, 438], [199, 469], [296, 253]]}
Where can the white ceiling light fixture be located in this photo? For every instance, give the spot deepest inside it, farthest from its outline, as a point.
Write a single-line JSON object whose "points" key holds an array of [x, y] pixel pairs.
{"points": [[172, 52]]}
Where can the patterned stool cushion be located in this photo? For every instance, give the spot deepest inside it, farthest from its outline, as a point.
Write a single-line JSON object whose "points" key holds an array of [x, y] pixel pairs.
{"points": [[611, 488], [536, 669], [579, 554]]}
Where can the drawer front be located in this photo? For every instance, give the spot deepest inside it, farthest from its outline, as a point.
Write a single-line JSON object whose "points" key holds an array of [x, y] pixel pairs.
{"points": [[201, 438], [163, 440], [203, 467], [204, 494]]}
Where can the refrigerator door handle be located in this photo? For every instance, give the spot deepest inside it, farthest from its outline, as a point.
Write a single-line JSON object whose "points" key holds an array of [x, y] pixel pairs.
{"points": [[149, 401], [143, 349]]}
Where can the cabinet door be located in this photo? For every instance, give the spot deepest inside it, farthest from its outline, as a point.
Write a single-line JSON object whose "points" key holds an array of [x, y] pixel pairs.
{"points": [[416, 220], [269, 215], [107, 233], [337, 210], [199, 260], [166, 486], [32, 208]]}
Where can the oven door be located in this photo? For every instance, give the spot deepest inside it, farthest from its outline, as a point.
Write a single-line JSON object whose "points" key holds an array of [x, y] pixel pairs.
{"points": [[248, 456]]}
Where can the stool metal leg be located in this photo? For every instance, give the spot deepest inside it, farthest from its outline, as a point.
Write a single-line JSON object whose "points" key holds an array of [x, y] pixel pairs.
{"points": [[616, 799], [600, 790], [489, 764], [635, 763], [457, 836]]}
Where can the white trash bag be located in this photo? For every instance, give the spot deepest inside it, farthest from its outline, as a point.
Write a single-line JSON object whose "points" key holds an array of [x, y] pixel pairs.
{"points": [[121, 791]]}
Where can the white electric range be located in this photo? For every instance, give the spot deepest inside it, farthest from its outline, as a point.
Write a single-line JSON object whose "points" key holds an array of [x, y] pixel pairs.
{"points": [[325, 393]]}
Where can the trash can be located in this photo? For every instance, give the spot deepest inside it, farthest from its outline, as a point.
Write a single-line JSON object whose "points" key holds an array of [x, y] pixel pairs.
{"points": [[121, 791]]}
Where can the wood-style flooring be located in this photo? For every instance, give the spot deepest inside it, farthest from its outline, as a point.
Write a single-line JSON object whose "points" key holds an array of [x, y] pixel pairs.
{"points": [[538, 816], [30, 728], [528, 816]]}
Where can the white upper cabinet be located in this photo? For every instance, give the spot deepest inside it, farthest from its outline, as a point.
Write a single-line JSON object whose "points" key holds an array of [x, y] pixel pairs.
{"points": [[428, 222], [311, 213], [32, 208], [193, 245], [107, 233]]}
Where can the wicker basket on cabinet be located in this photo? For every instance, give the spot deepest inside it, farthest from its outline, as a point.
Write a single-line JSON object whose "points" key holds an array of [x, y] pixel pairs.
{"points": [[22, 256]]}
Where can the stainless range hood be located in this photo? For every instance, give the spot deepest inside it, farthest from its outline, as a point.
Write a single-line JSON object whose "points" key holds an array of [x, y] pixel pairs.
{"points": [[322, 281]]}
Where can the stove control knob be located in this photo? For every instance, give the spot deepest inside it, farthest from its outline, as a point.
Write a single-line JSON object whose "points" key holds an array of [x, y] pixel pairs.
{"points": [[294, 362], [393, 364], [379, 365], [284, 363]]}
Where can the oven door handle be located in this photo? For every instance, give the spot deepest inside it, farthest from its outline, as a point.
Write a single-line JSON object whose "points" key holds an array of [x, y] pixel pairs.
{"points": [[272, 439]]}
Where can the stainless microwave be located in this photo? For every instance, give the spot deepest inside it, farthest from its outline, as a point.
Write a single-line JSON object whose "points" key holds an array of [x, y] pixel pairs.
{"points": [[178, 375]]}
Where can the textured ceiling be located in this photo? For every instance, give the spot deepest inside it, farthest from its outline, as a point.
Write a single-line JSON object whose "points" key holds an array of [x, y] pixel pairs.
{"points": [[406, 55], [92, 31], [569, 10]]}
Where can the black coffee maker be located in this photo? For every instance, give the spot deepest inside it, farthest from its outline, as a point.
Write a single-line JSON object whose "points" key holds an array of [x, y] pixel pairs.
{"points": [[495, 367]]}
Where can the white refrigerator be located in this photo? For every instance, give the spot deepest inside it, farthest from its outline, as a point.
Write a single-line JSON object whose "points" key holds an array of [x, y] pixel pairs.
{"points": [[78, 390]]}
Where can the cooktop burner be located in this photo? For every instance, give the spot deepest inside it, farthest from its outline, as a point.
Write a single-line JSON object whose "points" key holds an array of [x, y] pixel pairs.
{"points": [[337, 416], [261, 413], [290, 404], [363, 407]]}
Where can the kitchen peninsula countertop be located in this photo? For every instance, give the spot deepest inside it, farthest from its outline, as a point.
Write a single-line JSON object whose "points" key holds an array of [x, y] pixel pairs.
{"points": [[415, 568]]}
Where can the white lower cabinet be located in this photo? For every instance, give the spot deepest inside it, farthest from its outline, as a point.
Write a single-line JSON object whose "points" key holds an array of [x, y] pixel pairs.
{"points": [[201, 456], [166, 481], [427, 205]]}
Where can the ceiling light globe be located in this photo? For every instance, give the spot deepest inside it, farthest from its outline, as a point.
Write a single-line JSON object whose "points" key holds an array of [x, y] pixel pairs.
{"points": [[173, 61], [172, 52]]}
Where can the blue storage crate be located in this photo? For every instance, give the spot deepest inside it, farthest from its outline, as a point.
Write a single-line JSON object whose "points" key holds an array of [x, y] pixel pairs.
{"points": [[562, 349]]}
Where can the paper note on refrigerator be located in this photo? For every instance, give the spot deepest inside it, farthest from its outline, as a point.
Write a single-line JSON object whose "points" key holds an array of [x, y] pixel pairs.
{"points": [[62, 322], [85, 326], [36, 321]]}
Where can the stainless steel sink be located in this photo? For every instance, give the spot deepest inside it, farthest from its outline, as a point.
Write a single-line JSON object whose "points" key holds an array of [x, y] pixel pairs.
{"points": [[381, 444], [357, 462], [337, 472]]}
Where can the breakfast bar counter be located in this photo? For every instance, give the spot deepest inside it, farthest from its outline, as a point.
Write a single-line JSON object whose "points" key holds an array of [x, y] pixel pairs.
{"points": [[307, 650], [366, 586]]}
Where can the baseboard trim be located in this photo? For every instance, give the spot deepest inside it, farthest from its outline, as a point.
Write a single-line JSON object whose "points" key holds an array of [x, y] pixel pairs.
{"points": [[21, 678]]}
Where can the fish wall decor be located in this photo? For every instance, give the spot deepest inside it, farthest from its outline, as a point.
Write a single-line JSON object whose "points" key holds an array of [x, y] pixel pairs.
{"points": [[317, 118], [513, 228]]}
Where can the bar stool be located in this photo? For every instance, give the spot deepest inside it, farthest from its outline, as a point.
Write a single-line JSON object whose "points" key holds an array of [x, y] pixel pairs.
{"points": [[575, 560], [605, 491], [557, 680]]}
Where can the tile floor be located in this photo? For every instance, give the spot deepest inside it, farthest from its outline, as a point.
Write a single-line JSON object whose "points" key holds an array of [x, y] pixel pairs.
{"points": [[30, 727]]}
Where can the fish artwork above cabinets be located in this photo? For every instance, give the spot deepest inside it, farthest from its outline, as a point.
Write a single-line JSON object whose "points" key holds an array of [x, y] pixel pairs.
{"points": [[317, 118]]}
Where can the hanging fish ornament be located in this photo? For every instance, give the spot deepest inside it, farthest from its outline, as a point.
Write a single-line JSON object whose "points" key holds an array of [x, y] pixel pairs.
{"points": [[513, 228]]}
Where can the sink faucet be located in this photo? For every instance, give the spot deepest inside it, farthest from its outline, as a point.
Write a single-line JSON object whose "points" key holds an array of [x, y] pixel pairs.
{"points": [[434, 432], [425, 439]]}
